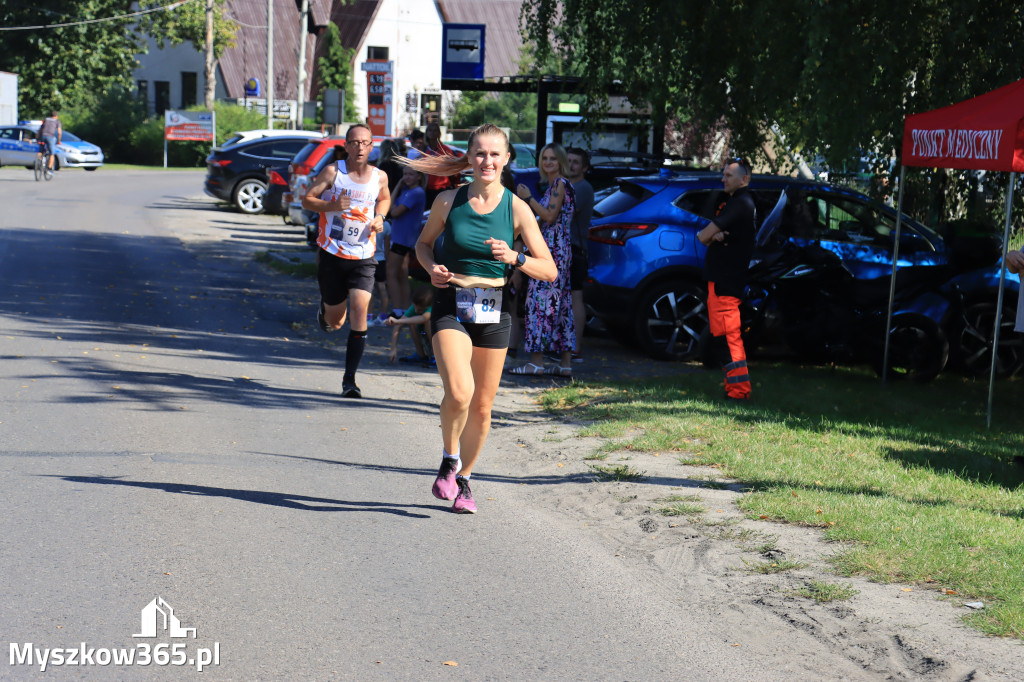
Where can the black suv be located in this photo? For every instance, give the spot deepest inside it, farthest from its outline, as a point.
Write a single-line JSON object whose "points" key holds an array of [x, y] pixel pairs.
{"points": [[238, 173]]}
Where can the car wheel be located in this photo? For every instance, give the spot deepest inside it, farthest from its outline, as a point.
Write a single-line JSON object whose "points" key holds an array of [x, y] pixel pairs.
{"points": [[91, 168], [918, 349], [670, 320], [972, 341], [248, 196]]}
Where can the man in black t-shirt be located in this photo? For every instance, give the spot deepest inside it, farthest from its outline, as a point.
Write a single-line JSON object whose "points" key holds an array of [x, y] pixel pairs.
{"points": [[730, 241]]}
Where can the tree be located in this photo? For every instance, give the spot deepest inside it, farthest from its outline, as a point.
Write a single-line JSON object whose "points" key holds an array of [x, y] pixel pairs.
{"points": [[835, 79], [515, 110], [188, 23], [335, 70], [60, 65]]}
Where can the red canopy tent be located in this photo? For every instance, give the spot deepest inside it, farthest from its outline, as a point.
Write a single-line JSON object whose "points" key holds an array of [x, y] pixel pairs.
{"points": [[984, 133]]}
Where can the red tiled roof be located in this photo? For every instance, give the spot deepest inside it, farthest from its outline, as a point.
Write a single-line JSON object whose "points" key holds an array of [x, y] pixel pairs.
{"points": [[353, 22], [249, 56]]}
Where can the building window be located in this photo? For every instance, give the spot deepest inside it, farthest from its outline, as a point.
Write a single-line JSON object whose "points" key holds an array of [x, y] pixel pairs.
{"points": [[189, 84], [377, 53], [163, 96], [142, 92]]}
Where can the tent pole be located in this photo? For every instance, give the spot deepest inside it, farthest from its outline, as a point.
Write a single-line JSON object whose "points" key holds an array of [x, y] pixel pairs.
{"points": [[892, 281], [999, 300]]}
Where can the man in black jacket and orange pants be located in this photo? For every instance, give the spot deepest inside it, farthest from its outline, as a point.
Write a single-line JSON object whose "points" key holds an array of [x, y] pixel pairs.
{"points": [[730, 241]]}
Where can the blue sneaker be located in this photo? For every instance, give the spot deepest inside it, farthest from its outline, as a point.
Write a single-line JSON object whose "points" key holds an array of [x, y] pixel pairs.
{"points": [[413, 359]]}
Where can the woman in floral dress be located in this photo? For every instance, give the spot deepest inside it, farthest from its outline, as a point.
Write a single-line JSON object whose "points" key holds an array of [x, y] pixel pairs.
{"points": [[549, 325]]}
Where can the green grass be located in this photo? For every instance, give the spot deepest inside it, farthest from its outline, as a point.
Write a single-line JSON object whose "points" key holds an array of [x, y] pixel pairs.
{"points": [[682, 509], [298, 268], [906, 479], [620, 472], [769, 567], [823, 592], [682, 505]]}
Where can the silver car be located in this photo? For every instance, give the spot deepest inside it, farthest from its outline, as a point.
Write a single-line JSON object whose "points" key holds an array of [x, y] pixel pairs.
{"points": [[19, 146]]}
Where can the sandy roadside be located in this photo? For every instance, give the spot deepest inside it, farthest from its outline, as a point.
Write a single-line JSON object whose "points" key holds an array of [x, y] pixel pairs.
{"points": [[700, 563]]}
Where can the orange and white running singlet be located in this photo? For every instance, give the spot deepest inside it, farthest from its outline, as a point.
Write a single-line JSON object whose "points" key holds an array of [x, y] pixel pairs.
{"points": [[347, 234]]}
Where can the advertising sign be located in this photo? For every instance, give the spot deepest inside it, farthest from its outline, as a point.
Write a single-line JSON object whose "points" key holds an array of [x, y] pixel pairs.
{"points": [[378, 96], [191, 126]]}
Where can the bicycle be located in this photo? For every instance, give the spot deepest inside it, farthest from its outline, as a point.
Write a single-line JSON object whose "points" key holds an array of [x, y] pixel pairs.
{"points": [[41, 167]]}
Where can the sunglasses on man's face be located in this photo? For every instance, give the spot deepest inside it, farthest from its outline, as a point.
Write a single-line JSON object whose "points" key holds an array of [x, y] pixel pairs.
{"points": [[744, 164], [360, 143]]}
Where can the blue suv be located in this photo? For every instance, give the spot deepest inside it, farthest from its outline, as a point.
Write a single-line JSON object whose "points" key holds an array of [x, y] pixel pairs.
{"points": [[645, 280]]}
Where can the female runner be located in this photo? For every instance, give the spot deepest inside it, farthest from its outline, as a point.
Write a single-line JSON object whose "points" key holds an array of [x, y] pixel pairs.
{"points": [[470, 320]]}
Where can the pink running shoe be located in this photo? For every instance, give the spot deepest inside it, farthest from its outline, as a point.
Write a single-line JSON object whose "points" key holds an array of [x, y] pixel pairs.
{"points": [[444, 485], [464, 503]]}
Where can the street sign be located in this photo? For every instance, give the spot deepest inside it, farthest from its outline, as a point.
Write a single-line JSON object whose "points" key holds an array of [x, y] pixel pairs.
{"points": [[462, 51], [252, 87], [334, 106]]}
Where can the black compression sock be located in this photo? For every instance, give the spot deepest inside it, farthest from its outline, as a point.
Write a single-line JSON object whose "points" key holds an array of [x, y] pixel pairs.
{"points": [[354, 353]]}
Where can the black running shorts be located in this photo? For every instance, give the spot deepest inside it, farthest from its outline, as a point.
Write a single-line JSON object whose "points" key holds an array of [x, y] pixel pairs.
{"points": [[489, 335], [336, 276]]}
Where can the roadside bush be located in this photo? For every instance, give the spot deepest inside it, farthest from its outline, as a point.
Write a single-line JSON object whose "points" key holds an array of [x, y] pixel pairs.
{"points": [[107, 121], [230, 119], [118, 123]]}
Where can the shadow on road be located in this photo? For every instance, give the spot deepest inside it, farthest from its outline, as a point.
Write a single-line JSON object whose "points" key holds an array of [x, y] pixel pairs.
{"points": [[285, 500]]}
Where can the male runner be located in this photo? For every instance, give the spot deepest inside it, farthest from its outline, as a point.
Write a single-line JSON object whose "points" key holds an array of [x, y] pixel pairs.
{"points": [[352, 198]]}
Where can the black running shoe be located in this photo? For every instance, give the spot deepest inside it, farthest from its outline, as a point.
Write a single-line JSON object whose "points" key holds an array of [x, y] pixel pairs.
{"points": [[350, 390], [320, 320]]}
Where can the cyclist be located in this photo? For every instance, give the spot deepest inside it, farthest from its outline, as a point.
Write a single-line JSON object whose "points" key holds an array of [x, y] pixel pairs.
{"points": [[51, 132]]}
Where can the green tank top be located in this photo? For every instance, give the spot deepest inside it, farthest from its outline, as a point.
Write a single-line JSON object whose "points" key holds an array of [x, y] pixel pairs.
{"points": [[465, 231]]}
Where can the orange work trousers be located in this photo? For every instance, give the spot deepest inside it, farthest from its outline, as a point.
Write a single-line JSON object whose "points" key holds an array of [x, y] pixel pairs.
{"points": [[727, 342]]}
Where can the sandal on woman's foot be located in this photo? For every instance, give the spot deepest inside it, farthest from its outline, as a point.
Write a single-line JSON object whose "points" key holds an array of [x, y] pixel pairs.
{"points": [[561, 372], [528, 368]]}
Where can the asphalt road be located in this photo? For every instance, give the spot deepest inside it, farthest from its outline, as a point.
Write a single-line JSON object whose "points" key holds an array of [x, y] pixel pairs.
{"points": [[166, 432]]}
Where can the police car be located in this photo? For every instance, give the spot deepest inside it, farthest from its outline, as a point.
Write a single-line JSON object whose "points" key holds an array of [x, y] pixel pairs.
{"points": [[19, 146]]}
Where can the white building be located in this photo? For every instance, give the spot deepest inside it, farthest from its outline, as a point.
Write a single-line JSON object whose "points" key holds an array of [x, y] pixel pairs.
{"points": [[407, 33]]}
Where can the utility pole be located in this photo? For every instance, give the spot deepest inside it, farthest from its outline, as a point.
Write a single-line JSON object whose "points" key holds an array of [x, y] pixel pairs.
{"points": [[211, 83], [301, 80], [270, 63]]}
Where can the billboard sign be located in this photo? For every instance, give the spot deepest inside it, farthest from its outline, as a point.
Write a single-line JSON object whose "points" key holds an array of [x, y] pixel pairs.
{"points": [[188, 126]]}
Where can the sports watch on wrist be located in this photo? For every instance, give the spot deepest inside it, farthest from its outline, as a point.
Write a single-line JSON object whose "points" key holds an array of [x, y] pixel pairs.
{"points": [[520, 260]]}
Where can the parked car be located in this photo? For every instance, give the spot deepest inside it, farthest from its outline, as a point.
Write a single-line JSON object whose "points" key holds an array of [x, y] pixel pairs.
{"points": [[299, 172], [238, 173], [606, 167], [19, 146], [645, 279], [274, 199], [298, 215], [250, 135]]}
